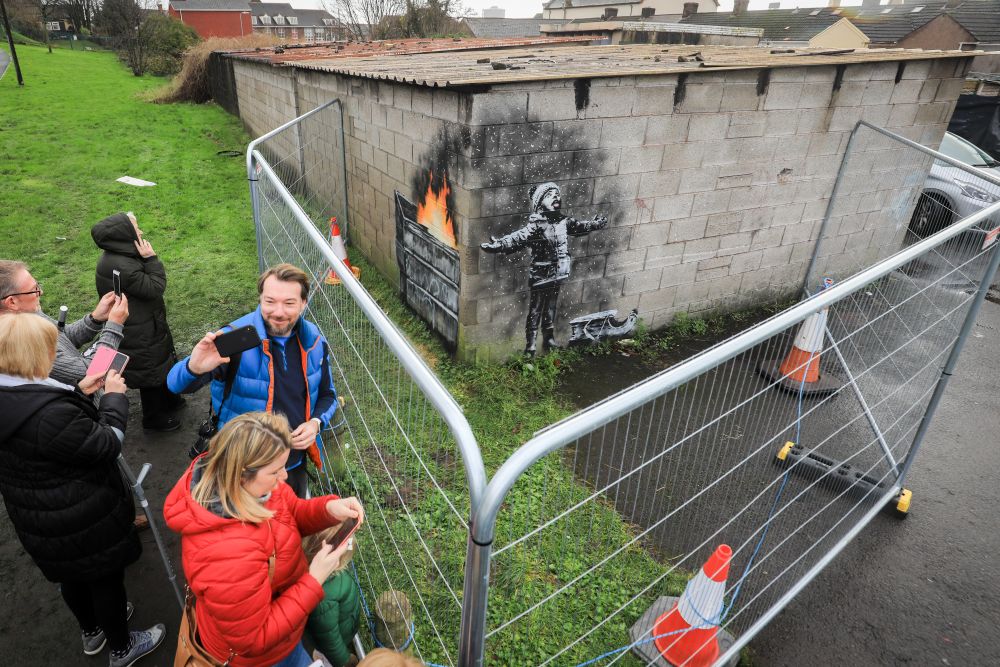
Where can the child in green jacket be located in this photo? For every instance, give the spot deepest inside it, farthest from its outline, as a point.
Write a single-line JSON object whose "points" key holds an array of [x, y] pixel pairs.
{"points": [[334, 622]]}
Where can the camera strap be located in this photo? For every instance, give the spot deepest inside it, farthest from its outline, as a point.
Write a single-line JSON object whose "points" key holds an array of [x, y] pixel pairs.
{"points": [[231, 369]]}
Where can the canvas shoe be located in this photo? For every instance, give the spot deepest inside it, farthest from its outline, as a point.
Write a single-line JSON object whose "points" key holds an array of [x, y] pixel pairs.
{"points": [[94, 644], [141, 643]]}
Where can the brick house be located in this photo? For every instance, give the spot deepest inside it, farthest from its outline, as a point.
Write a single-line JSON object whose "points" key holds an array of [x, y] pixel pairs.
{"points": [[214, 18]]}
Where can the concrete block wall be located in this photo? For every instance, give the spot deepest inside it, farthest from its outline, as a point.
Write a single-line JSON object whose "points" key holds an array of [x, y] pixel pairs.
{"points": [[715, 183]]}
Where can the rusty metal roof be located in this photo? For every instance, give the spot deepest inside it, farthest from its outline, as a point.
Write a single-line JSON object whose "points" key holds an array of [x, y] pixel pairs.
{"points": [[297, 54], [540, 63]]}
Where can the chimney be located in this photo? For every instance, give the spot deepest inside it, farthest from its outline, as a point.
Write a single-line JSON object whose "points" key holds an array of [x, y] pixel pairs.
{"points": [[833, 4], [740, 7], [774, 5], [689, 9]]}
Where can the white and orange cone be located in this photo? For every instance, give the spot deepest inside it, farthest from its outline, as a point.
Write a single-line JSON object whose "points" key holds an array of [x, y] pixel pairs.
{"points": [[688, 633], [340, 250], [800, 369]]}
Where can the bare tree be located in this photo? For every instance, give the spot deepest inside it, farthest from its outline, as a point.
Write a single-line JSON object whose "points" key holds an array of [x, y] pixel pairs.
{"points": [[124, 22], [81, 12], [361, 16]]}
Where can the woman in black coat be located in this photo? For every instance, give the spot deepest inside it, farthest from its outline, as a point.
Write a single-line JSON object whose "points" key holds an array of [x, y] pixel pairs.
{"points": [[60, 482], [148, 341]]}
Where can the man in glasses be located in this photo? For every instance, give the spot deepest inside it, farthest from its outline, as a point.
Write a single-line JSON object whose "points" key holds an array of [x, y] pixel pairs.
{"points": [[21, 293]]}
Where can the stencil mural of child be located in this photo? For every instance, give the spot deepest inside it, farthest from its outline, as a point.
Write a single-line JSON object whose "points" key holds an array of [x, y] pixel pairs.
{"points": [[547, 236], [334, 621]]}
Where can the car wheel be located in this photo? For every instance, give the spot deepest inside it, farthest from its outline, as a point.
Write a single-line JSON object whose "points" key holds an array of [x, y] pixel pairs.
{"points": [[931, 214]]}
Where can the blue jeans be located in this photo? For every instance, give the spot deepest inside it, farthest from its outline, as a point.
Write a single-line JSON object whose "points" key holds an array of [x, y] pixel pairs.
{"points": [[297, 658]]}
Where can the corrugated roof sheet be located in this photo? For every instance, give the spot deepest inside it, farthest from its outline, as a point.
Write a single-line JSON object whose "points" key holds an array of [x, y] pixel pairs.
{"points": [[478, 67], [295, 54], [499, 28]]}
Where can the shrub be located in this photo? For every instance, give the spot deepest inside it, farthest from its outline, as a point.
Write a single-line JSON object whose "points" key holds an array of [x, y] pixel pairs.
{"points": [[192, 84], [169, 39]]}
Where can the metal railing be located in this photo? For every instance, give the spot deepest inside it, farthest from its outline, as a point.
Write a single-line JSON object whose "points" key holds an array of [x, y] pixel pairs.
{"points": [[588, 524]]}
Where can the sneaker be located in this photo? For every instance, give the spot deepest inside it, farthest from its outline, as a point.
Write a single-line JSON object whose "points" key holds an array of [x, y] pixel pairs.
{"points": [[140, 644], [94, 643]]}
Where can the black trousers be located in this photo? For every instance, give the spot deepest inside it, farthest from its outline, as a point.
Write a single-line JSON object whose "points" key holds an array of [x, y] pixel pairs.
{"points": [[100, 604], [157, 401], [298, 479]]}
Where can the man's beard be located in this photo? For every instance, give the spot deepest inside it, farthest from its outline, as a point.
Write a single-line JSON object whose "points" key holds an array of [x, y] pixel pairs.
{"points": [[280, 333]]}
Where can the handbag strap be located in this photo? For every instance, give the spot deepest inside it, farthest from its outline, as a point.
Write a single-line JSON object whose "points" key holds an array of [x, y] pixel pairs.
{"points": [[230, 379]]}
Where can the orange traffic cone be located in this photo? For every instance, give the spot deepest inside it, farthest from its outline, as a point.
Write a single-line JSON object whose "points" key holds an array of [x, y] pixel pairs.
{"points": [[340, 250], [800, 370], [687, 634]]}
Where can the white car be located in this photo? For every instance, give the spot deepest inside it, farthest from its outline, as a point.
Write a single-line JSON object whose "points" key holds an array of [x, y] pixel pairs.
{"points": [[951, 193]]}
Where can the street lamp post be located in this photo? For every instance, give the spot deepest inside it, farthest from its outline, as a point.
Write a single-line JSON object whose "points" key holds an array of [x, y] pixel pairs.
{"points": [[10, 42]]}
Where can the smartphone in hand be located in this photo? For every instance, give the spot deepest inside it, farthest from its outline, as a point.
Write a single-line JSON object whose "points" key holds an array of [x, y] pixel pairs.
{"points": [[237, 340], [116, 278], [107, 359], [347, 528]]}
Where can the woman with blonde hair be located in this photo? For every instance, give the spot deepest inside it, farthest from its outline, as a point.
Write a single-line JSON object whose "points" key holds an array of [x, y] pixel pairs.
{"points": [[241, 544], [383, 657], [62, 488]]}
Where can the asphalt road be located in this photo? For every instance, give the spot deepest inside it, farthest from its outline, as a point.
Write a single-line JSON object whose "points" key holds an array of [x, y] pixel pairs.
{"points": [[4, 62]]}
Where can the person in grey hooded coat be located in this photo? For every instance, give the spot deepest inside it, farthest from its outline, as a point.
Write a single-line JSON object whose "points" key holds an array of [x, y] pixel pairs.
{"points": [[148, 340]]}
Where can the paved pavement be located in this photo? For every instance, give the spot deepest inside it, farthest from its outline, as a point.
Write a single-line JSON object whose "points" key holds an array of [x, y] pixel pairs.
{"points": [[4, 62]]}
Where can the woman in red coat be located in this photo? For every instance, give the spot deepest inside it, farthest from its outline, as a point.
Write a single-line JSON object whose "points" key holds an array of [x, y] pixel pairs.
{"points": [[241, 545]]}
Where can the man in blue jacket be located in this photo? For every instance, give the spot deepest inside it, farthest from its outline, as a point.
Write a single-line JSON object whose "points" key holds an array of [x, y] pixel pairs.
{"points": [[288, 373]]}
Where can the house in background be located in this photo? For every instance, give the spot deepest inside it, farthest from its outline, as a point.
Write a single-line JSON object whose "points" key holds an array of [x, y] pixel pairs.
{"points": [[841, 35], [930, 24], [609, 9], [237, 18], [295, 25], [501, 28], [213, 18]]}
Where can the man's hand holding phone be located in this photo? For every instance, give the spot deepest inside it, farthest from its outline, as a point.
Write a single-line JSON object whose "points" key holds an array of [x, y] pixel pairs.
{"points": [[205, 357]]}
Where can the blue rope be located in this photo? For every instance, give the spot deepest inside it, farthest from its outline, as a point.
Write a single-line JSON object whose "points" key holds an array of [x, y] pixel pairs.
{"points": [[371, 623], [710, 623]]}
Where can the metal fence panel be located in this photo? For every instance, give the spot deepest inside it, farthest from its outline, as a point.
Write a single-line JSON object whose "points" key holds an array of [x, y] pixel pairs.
{"points": [[699, 456], [402, 445]]}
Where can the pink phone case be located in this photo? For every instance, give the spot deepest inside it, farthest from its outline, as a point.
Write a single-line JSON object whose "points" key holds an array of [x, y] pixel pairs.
{"points": [[101, 363]]}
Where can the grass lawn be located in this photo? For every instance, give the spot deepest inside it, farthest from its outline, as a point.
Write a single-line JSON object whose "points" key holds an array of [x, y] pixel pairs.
{"points": [[79, 123]]}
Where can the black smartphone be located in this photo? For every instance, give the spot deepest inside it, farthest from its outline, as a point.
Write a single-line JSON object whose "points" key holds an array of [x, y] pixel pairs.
{"points": [[119, 362], [347, 529], [237, 340], [116, 278]]}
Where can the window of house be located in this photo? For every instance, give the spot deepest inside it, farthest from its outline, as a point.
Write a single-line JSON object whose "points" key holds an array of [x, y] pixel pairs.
{"points": [[265, 19], [327, 21], [293, 20], [648, 11], [253, 20], [610, 13], [279, 19]]}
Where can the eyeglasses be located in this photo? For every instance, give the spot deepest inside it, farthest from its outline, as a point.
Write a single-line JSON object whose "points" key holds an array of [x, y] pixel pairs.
{"points": [[37, 290]]}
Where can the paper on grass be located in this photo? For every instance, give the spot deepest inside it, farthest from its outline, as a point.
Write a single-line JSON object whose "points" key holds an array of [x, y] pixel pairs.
{"points": [[138, 182]]}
